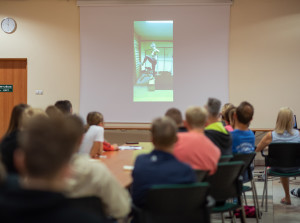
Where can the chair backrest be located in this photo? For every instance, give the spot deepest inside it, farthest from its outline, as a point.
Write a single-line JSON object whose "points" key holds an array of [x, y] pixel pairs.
{"points": [[91, 204], [226, 182], [225, 158], [176, 203], [247, 158], [283, 155], [201, 175]]}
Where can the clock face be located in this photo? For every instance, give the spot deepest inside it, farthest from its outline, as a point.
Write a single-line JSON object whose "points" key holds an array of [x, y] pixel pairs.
{"points": [[8, 25]]}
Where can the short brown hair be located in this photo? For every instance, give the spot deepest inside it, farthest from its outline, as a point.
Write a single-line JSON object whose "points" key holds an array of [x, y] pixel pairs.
{"points": [[175, 114], [65, 106], [54, 112], [47, 145], [196, 117], [164, 132], [244, 112]]}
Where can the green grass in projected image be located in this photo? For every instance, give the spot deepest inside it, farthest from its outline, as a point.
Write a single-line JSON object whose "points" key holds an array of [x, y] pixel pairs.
{"points": [[153, 59]]}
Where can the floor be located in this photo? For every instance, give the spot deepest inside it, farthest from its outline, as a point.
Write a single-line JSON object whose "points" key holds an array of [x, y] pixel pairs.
{"points": [[277, 212]]}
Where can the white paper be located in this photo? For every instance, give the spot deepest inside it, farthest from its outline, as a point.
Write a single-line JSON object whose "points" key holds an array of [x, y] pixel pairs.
{"points": [[130, 147]]}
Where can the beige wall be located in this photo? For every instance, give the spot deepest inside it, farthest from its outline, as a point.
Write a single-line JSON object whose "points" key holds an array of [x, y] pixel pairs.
{"points": [[264, 53], [48, 35], [264, 60]]}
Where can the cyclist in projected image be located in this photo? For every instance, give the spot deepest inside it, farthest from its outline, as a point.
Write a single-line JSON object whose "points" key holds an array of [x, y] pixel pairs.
{"points": [[153, 58]]}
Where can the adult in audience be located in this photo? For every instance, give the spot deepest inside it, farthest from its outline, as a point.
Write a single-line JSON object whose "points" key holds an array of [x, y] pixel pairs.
{"points": [[215, 129], [43, 161], [175, 114], [92, 142], [94, 179], [65, 106], [193, 147], [243, 139], [160, 166], [283, 132]]}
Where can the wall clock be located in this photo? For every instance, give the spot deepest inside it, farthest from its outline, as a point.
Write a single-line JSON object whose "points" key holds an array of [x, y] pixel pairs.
{"points": [[8, 25]]}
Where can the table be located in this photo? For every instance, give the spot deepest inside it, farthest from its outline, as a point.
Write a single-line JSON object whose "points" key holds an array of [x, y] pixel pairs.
{"points": [[116, 160]]}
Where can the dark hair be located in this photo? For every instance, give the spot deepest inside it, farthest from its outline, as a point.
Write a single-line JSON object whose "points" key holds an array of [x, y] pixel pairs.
{"points": [[213, 106], [48, 145], [175, 114], [65, 106], [244, 112], [53, 112], [16, 118], [164, 132]]}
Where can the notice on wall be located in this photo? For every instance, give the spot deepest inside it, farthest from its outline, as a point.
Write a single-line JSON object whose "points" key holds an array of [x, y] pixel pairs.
{"points": [[6, 88]]}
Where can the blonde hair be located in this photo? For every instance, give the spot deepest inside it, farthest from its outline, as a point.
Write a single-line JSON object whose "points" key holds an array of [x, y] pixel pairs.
{"points": [[29, 113], [196, 116], [285, 120], [225, 108]]}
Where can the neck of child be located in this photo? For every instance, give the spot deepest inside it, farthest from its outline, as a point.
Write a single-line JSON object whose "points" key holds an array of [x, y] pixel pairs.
{"points": [[54, 184], [197, 130], [168, 149], [241, 126]]}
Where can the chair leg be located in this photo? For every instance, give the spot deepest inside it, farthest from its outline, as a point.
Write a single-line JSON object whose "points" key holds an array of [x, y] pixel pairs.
{"points": [[254, 191], [266, 183], [244, 194], [232, 216], [223, 219], [254, 200], [243, 214], [263, 195]]}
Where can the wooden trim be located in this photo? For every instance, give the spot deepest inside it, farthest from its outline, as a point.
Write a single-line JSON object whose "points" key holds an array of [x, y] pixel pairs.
{"points": [[127, 126], [25, 59], [147, 126], [153, 2]]}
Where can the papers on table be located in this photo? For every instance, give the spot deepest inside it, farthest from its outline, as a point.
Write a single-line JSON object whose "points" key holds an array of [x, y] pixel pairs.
{"points": [[130, 147], [126, 167]]}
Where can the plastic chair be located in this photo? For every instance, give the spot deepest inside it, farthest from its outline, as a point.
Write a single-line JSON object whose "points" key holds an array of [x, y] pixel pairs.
{"points": [[225, 158], [91, 204], [282, 155], [201, 175], [247, 171], [176, 204], [226, 184]]}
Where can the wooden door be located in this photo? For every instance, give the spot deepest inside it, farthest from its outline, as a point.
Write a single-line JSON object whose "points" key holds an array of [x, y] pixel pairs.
{"points": [[12, 72]]}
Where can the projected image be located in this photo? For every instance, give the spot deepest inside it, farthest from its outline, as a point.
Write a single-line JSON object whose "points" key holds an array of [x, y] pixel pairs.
{"points": [[153, 57]]}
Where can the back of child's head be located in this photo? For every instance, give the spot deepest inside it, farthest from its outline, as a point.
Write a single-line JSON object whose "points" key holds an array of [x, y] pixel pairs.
{"points": [[196, 117], [244, 112], [47, 145], [164, 132], [175, 114], [65, 106]]}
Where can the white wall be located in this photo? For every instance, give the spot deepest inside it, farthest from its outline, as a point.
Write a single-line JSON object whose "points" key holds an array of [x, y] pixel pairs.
{"points": [[263, 52], [264, 60], [48, 35]]}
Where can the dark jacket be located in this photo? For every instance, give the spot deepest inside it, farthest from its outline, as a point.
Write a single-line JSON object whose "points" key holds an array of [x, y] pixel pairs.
{"points": [[221, 140], [34, 206]]}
